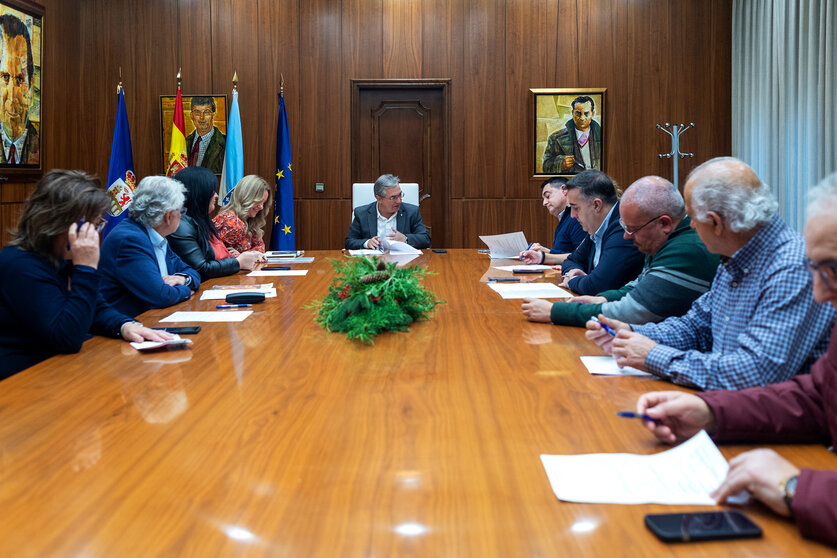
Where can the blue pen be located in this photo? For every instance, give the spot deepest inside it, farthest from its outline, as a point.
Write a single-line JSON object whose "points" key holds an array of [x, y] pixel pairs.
{"points": [[631, 414], [224, 306], [604, 327], [527, 248]]}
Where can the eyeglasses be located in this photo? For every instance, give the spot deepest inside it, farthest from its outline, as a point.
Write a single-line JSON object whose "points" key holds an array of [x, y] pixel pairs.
{"points": [[395, 197], [203, 113], [827, 271], [636, 230]]}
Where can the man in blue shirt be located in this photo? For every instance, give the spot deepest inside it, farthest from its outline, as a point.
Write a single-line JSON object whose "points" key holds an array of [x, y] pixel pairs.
{"points": [[568, 231], [759, 323]]}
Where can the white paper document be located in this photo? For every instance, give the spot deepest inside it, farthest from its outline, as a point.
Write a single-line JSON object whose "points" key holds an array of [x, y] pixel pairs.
{"points": [[365, 252], [283, 261], [278, 273], [508, 245], [221, 294], [529, 290], [682, 475], [169, 345], [606, 366], [285, 253], [396, 247], [533, 267], [218, 316]]}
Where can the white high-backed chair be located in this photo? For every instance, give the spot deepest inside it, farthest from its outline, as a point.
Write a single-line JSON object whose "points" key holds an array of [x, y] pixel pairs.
{"points": [[363, 194]]}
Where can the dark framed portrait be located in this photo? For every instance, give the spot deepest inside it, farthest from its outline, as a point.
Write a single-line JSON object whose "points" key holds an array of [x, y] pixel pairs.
{"points": [[566, 131], [21, 36], [205, 119]]}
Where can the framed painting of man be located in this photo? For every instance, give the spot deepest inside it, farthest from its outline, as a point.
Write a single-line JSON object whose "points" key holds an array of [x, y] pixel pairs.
{"points": [[21, 36], [566, 131], [205, 119]]}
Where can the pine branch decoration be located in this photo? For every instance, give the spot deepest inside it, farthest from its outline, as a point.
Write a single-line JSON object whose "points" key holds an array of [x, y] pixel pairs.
{"points": [[368, 296]]}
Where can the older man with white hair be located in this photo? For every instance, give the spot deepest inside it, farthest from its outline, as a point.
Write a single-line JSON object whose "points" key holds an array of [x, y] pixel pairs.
{"points": [[139, 269], [758, 324], [802, 410]]}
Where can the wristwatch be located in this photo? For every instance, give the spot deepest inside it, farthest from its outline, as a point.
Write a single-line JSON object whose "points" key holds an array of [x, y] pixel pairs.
{"points": [[789, 491]]}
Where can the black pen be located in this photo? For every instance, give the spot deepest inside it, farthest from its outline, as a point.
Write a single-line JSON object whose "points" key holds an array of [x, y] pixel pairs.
{"points": [[225, 306]]}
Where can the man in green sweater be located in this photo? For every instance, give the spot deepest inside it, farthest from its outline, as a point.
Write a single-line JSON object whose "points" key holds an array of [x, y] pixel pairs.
{"points": [[678, 268]]}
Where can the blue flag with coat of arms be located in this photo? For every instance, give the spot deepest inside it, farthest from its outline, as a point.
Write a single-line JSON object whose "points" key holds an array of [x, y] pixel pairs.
{"points": [[233, 169], [121, 178]]}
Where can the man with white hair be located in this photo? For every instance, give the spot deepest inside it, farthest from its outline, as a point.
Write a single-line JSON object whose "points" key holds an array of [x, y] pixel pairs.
{"points": [[801, 410], [758, 324], [139, 269]]}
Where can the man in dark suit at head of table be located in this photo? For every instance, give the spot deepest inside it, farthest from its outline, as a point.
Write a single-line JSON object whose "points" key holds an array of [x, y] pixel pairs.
{"points": [[387, 218]]}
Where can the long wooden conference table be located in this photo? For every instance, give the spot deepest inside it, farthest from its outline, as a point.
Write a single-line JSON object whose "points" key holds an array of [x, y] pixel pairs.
{"points": [[274, 437]]}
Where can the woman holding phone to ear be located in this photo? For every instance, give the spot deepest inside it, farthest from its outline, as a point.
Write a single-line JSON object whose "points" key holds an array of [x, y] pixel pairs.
{"points": [[49, 288]]}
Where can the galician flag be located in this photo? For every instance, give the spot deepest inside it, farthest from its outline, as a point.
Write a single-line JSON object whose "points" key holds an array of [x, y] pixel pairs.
{"points": [[284, 233], [121, 179], [233, 169], [177, 151]]}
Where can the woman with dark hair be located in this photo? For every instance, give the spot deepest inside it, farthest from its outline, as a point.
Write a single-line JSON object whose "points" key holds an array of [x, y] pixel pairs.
{"points": [[196, 240], [49, 289]]}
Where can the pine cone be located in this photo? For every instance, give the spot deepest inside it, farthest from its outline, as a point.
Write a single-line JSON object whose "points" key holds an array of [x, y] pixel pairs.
{"points": [[376, 277], [381, 266]]}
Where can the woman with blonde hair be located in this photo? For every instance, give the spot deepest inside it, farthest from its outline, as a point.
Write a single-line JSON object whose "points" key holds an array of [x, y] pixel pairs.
{"points": [[241, 224]]}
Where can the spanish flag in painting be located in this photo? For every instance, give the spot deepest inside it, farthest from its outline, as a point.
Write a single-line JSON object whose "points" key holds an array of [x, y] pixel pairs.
{"points": [[121, 179], [177, 152], [284, 233]]}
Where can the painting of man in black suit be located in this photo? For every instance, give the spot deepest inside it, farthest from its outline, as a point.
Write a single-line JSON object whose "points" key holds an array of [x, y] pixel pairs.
{"points": [[18, 97], [206, 144]]}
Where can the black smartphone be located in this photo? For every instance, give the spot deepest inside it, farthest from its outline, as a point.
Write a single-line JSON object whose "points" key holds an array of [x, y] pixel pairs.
{"points": [[702, 526], [526, 270], [275, 268], [505, 279], [439, 251], [187, 330]]}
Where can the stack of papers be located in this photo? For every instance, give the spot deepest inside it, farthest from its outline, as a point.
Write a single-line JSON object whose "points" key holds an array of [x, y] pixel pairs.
{"points": [[308, 259], [278, 273], [508, 245], [169, 345], [532, 267], [285, 253], [529, 290], [682, 475], [217, 316]]}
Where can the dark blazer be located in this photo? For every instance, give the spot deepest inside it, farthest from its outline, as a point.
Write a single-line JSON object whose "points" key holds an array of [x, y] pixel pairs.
{"points": [[619, 262], [213, 157], [568, 234], [188, 243], [131, 280], [408, 222], [40, 317]]}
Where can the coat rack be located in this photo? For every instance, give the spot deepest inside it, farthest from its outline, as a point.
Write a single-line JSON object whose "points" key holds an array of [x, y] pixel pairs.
{"points": [[675, 131]]}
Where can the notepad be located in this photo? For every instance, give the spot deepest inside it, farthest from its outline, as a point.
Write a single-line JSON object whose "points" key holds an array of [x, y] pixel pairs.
{"points": [[682, 475], [529, 290]]}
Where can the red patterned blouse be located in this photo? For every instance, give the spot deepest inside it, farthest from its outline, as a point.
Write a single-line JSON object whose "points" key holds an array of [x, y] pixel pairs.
{"points": [[233, 231]]}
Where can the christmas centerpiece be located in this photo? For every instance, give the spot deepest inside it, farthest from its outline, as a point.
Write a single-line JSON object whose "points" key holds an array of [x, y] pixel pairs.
{"points": [[368, 296]]}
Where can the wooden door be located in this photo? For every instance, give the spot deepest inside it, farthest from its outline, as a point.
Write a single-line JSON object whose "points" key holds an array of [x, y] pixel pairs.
{"points": [[401, 127]]}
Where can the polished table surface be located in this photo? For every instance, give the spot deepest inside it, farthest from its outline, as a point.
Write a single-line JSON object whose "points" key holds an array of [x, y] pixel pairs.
{"points": [[274, 437]]}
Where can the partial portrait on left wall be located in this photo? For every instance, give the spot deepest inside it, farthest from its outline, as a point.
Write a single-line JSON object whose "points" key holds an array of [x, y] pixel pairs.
{"points": [[21, 48]]}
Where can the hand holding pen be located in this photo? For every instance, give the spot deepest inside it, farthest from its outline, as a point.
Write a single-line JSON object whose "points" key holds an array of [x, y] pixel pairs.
{"points": [[675, 415]]}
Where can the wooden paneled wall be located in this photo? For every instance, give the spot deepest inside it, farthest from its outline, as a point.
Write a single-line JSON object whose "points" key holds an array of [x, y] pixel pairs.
{"points": [[660, 60]]}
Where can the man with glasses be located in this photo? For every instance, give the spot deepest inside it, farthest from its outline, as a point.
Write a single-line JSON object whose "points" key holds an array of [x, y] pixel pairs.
{"points": [[206, 144], [678, 267], [387, 218], [802, 410], [604, 260], [759, 323]]}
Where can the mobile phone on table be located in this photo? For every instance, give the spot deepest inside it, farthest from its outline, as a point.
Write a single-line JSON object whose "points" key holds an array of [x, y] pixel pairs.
{"points": [[505, 279], [186, 330], [439, 251], [526, 270], [702, 526], [275, 268]]}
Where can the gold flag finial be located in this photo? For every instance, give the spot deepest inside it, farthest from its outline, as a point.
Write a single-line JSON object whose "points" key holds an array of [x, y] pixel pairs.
{"points": [[119, 86], [235, 81], [178, 77], [282, 84]]}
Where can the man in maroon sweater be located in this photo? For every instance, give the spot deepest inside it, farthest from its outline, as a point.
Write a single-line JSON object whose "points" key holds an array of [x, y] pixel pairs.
{"points": [[803, 410]]}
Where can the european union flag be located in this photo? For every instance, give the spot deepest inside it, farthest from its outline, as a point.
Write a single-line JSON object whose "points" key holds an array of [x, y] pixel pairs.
{"points": [[283, 237], [121, 179]]}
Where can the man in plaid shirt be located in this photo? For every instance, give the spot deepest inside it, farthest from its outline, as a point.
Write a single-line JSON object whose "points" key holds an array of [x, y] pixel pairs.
{"points": [[759, 323]]}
